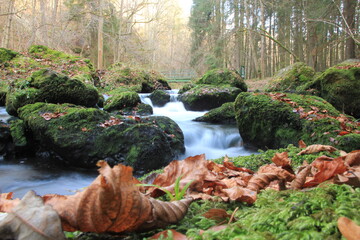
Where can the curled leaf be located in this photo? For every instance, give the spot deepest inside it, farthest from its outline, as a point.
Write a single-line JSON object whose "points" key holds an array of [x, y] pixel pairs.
{"points": [[317, 148], [217, 214], [300, 178], [260, 181], [302, 144], [31, 220]]}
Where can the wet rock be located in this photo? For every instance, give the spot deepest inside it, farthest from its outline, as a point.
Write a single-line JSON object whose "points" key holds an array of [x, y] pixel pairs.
{"points": [[75, 136], [206, 97], [159, 98]]}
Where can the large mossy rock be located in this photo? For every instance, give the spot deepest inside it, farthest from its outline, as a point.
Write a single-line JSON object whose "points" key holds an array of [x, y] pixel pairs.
{"points": [[48, 86], [119, 75], [222, 115], [223, 77], [340, 85], [159, 98], [121, 101], [76, 136], [291, 78], [6, 55], [206, 97], [274, 120]]}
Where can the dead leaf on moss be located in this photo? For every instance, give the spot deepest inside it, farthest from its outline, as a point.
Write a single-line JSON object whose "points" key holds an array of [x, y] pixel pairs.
{"points": [[353, 158], [31, 220], [317, 148], [49, 116], [351, 178], [111, 122], [217, 214], [349, 229], [302, 144], [326, 169], [300, 178]]}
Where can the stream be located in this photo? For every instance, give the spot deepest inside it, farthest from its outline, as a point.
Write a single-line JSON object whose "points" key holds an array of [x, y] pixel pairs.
{"points": [[212, 139]]}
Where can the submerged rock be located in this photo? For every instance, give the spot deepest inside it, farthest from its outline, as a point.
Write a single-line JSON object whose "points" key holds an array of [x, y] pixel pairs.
{"points": [[206, 97], [75, 136], [48, 86], [274, 120], [159, 98], [291, 78], [340, 85]]}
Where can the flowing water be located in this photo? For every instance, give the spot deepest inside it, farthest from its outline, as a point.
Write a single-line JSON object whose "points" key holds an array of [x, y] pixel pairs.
{"points": [[212, 139]]}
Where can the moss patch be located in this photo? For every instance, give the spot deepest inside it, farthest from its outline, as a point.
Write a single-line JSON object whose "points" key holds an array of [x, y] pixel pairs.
{"points": [[6, 55], [121, 101], [159, 98]]}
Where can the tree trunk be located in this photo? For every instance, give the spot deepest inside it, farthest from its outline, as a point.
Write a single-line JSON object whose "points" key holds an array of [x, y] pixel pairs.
{"points": [[100, 37], [7, 31], [263, 44], [349, 15]]}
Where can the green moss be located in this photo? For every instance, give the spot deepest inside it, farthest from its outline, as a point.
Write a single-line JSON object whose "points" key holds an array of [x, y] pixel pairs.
{"points": [[7, 55], [223, 77], [291, 78], [21, 97], [121, 101], [223, 114], [18, 133], [144, 109], [349, 142], [43, 52]]}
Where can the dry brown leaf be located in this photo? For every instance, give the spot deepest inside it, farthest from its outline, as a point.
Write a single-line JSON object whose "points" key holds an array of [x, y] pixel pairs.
{"points": [[279, 171], [31, 220], [300, 178], [353, 158], [217, 214], [6, 203], [260, 181], [49, 116], [351, 178], [281, 159], [165, 234], [326, 170], [349, 229], [241, 194], [317, 148], [112, 203]]}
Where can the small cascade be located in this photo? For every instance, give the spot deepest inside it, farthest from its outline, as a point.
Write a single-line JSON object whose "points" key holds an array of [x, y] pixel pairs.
{"points": [[212, 139]]}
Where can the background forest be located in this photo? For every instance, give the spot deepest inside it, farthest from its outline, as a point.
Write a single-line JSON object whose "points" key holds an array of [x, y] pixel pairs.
{"points": [[257, 35]]}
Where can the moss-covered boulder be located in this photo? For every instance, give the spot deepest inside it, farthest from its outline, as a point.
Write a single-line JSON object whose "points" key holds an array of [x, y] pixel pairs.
{"points": [[274, 120], [206, 97], [76, 136], [340, 85], [121, 101], [223, 77], [159, 98], [224, 115], [291, 78], [48, 86], [120, 75]]}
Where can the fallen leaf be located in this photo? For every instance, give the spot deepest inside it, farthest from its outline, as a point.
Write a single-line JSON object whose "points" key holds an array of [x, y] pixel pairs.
{"points": [[111, 122], [217, 214], [353, 158], [241, 194], [349, 229], [279, 171], [351, 178], [31, 220], [326, 170], [302, 144], [317, 148], [167, 233], [214, 229], [300, 178], [260, 181], [49, 116]]}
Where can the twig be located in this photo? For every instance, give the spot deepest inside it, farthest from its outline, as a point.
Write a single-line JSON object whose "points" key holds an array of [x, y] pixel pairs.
{"points": [[232, 215]]}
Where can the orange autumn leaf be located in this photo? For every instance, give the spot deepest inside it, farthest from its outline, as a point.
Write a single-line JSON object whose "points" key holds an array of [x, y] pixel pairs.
{"points": [[49, 116], [351, 178], [300, 178], [260, 181], [302, 144], [241, 194], [279, 171], [349, 229], [317, 148], [217, 214], [326, 170]]}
